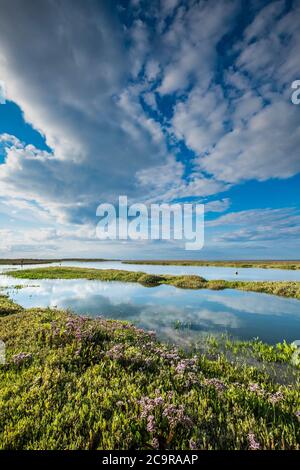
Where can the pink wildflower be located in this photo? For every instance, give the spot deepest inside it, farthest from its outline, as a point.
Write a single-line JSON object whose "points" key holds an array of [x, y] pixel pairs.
{"points": [[253, 443], [20, 358]]}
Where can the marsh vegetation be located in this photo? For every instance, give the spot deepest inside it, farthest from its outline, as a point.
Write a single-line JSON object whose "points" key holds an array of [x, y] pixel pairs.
{"points": [[281, 288], [73, 382]]}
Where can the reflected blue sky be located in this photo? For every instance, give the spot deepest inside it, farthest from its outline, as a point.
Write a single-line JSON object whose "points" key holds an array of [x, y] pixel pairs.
{"points": [[198, 312]]}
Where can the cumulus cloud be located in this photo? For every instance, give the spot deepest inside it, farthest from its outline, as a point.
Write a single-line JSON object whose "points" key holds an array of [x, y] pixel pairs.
{"points": [[166, 182], [266, 147], [172, 100], [247, 128], [192, 39], [70, 88], [199, 120]]}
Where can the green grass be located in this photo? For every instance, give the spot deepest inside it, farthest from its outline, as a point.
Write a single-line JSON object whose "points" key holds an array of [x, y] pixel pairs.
{"points": [[8, 307], [71, 382], [274, 264], [281, 288]]}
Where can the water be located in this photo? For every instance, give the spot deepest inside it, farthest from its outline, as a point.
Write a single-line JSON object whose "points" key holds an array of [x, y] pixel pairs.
{"points": [[208, 272], [177, 315]]}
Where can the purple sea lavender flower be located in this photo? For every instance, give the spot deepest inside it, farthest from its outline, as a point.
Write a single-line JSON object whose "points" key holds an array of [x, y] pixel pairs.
{"points": [[147, 404], [216, 383], [193, 445], [181, 367], [176, 415], [159, 401], [253, 443], [255, 388], [186, 365], [170, 356], [151, 333], [276, 397], [116, 352], [151, 424], [20, 358], [155, 443]]}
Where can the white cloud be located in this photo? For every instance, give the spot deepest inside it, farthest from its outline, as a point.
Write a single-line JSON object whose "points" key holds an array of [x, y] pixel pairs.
{"points": [[220, 205], [86, 89], [264, 21], [152, 70], [192, 39], [166, 182], [73, 101], [167, 6], [199, 120], [266, 147]]}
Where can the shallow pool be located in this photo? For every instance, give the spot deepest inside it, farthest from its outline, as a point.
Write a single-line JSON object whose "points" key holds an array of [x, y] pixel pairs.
{"points": [[177, 315]]}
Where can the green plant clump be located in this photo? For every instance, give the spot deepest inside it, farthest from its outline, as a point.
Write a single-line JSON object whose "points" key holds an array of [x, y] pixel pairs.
{"points": [[7, 306]]}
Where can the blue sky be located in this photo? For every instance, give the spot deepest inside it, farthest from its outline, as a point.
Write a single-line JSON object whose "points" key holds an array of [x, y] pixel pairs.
{"points": [[163, 101]]}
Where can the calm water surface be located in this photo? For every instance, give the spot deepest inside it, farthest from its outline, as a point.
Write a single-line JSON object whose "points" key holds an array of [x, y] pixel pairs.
{"points": [[208, 272], [177, 315]]}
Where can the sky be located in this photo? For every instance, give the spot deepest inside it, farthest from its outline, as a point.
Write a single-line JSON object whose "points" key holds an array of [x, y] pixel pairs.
{"points": [[163, 101]]}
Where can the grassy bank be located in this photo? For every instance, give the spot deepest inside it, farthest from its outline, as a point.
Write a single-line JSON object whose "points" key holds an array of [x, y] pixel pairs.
{"points": [[282, 288], [71, 382], [7, 306], [283, 264]]}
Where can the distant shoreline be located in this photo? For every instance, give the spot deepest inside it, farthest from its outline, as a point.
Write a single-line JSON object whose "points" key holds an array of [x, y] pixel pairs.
{"points": [[263, 264], [25, 261]]}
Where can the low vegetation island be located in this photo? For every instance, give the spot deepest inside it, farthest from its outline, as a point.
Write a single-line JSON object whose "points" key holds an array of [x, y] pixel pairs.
{"points": [[282, 288]]}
